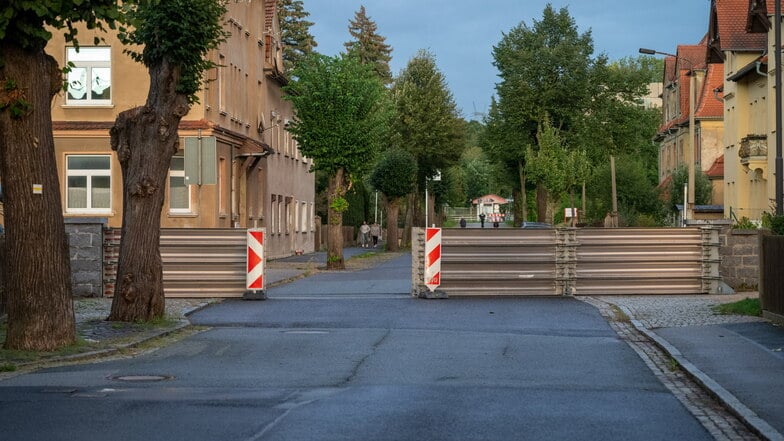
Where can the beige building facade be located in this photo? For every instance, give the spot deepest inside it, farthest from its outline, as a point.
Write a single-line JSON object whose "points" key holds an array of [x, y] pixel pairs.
{"points": [[741, 46], [250, 173]]}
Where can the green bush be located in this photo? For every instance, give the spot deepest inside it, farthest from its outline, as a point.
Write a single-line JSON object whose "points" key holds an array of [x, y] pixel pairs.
{"points": [[774, 222], [744, 224]]}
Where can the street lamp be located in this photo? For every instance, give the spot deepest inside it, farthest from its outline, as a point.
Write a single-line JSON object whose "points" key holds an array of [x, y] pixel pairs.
{"points": [[779, 164], [690, 151]]}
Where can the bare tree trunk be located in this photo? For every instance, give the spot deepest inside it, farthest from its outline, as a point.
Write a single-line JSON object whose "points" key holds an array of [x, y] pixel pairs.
{"points": [[523, 195], [337, 189], [38, 275], [541, 203], [393, 210], [145, 139], [409, 223]]}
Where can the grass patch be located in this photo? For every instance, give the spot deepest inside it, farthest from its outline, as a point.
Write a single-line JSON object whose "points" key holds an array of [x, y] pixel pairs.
{"points": [[366, 255], [747, 306], [619, 315], [7, 367]]}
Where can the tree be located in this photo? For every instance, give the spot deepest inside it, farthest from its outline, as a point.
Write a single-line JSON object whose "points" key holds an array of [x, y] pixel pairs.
{"points": [[368, 45], [341, 118], [426, 121], [176, 37], [507, 146], [394, 176], [680, 177], [559, 169], [38, 277], [545, 69], [295, 35], [637, 193]]}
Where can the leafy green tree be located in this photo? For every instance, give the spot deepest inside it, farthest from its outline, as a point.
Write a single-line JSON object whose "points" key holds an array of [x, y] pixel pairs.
{"points": [[297, 40], [559, 169], [368, 45], [426, 122], [680, 177], [341, 120], [175, 37], [506, 146], [394, 176], [638, 195], [38, 277], [545, 69]]}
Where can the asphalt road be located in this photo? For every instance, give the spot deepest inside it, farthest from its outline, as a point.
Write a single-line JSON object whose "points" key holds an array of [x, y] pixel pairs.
{"points": [[350, 356]]}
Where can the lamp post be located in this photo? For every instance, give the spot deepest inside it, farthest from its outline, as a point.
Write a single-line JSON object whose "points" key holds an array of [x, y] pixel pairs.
{"points": [[777, 59], [690, 146]]}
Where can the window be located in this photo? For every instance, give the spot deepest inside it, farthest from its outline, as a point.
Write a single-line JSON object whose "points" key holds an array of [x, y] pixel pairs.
{"points": [[179, 193], [90, 79], [88, 183]]}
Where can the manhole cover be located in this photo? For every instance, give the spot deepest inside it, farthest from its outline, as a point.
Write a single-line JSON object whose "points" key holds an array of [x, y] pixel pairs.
{"points": [[141, 378]]}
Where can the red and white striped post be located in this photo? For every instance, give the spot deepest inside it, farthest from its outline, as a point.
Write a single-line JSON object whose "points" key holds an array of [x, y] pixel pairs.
{"points": [[432, 258], [254, 280]]}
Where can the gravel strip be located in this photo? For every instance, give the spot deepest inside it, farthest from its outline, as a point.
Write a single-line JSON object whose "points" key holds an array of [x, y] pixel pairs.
{"points": [[675, 311]]}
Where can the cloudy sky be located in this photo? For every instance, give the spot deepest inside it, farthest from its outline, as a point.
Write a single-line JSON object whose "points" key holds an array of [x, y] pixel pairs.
{"points": [[461, 33]]}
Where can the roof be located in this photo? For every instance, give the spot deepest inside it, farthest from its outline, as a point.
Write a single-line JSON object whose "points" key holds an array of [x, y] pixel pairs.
{"points": [[759, 13], [709, 105], [489, 199], [717, 169], [727, 30]]}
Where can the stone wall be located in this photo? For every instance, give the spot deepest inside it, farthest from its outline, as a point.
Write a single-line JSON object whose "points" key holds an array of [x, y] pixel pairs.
{"points": [[739, 252], [85, 236]]}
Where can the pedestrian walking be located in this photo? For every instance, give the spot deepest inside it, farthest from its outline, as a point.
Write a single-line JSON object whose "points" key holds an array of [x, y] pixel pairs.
{"points": [[375, 231], [364, 235], [462, 222], [482, 219]]}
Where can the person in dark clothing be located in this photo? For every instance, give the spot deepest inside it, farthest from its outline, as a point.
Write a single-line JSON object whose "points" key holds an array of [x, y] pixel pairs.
{"points": [[482, 219], [462, 222]]}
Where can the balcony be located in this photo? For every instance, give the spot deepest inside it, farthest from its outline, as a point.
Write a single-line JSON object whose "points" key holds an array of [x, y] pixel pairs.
{"points": [[753, 154]]}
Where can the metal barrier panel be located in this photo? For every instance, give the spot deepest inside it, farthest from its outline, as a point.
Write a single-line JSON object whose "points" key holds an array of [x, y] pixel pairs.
{"points": [[498, 262], [196, 262], [571, 261], [639, 261], [204, 262]]}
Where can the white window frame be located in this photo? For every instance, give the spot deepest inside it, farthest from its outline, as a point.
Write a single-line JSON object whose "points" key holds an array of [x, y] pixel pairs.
{"points": [[179, 174], [89, 174], [72, 56]]}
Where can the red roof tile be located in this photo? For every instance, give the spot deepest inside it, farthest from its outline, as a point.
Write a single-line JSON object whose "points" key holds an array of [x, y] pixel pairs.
{"points": [[717, 169], [727, 29], [708, 106]]}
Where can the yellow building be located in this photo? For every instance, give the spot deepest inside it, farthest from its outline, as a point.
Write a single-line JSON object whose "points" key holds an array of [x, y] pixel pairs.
{"points": [[251, 172], [749, 184]]}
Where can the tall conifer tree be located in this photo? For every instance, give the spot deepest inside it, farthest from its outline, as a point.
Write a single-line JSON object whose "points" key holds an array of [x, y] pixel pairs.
{"points": [[295, 32], [368, 45]]}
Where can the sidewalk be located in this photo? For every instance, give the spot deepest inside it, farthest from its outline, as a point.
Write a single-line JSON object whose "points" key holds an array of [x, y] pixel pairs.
{"points": [[100, 338], [739, 359]]}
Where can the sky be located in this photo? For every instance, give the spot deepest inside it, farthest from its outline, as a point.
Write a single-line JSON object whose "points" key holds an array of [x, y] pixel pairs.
{"points": [[461, 33]]}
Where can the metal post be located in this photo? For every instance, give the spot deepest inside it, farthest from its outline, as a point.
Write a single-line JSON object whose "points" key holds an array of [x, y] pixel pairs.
{"points": [[690, 155], [426, 203], [777, 58]]}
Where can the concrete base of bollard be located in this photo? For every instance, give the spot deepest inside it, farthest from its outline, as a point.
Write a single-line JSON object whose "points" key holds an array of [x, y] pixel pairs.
{"points": [[425, 293], [255, 295]]}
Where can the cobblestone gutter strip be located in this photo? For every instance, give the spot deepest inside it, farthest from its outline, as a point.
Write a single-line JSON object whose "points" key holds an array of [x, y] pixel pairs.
{"points": [[721, 423]]}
